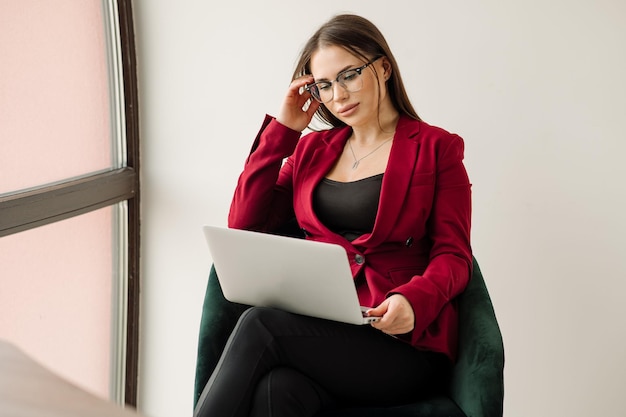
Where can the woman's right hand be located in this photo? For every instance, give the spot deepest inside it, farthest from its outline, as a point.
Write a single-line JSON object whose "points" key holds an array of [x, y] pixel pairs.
{"points": [[292, 113]]}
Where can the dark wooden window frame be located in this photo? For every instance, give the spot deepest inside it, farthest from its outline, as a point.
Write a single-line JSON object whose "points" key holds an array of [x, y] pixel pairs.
{"points": [[32, 208]]}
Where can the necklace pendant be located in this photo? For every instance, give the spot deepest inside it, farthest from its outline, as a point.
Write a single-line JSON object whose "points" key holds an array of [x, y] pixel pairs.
{"points": [[355, 165]]}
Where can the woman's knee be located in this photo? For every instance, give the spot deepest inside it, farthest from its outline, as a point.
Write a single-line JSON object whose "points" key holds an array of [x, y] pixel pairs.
{"points": [[255, 315], [254, 332], [268, 320]]}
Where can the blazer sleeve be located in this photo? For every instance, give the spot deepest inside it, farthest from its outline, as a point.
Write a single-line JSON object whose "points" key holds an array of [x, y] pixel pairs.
{"points": [[448, 226], [263, 196]]}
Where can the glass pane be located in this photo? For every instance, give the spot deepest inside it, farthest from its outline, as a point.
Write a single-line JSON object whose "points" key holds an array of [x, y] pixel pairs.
{"points": [[56, 291], [54, 92]]}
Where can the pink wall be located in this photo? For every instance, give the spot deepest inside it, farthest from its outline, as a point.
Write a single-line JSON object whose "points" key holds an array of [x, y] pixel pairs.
{"points": [[54, 107], [55, 297], [55, 281]]}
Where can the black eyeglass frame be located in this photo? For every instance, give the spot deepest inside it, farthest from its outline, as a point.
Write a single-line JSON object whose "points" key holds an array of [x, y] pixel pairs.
{"points": [[359, 70]]}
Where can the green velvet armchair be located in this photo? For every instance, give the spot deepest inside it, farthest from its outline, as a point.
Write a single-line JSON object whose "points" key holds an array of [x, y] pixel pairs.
{"points": [[476, 387]]}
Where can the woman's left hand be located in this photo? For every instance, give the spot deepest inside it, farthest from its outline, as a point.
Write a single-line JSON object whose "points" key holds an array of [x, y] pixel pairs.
{"points": [[396, 314]]}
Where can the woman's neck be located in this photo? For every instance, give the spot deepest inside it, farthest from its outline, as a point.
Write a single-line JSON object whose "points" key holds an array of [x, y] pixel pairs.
{"points": [[378, 130]]}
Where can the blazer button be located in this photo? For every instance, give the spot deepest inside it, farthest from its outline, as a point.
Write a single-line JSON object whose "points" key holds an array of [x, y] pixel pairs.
{"points": [[359, 259], [409, 242]]}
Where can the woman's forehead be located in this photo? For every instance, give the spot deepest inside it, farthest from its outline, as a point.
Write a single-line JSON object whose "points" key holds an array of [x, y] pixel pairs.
{"points": [[328, 61]]}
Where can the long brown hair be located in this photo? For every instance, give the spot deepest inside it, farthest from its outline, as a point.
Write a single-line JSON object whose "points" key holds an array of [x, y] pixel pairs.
{"points": [[361, 38]]}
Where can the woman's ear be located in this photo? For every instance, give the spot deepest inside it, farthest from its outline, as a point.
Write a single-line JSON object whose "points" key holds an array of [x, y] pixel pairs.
{"points": [[386, 68]]}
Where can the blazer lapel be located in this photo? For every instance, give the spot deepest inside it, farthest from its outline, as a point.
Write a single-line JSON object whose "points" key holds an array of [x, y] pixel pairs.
{"points": [[313, 170], [396, 181]]}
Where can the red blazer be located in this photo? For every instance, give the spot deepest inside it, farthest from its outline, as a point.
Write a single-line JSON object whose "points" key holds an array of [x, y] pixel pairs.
{"points": [[420, 244]]}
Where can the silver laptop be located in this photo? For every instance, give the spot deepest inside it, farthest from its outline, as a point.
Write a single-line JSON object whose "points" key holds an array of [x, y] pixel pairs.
{"points": [[295, 275]]}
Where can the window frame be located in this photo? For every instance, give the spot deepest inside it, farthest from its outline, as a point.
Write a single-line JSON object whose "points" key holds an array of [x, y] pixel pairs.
{"points": [[28, 209]]}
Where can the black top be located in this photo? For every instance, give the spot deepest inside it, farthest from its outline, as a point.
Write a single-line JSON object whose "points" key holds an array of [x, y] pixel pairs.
{"points": [[348, 208]]}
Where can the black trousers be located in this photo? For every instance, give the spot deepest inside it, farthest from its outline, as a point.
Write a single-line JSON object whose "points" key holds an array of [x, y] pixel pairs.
{"points": [[278, 364]]}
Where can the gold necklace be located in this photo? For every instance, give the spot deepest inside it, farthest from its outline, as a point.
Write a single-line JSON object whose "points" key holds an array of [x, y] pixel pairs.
{"points": [[357, 161]]}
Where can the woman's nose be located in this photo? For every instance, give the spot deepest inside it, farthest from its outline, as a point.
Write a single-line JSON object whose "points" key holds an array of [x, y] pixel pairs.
{"points": [[339, 91]]}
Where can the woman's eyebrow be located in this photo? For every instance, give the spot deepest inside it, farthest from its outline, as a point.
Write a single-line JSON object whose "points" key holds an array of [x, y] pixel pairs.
{"points": [[347, 67]]}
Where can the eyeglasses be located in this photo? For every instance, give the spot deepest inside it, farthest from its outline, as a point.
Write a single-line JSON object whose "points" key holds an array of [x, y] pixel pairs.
{"points": [[349, 79]]}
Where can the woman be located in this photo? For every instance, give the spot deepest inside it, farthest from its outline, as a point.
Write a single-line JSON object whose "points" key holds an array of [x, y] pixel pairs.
{"points": [[389, 188]]}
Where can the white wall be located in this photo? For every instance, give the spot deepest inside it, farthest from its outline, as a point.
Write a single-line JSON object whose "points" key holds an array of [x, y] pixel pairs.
{"points": [[536, 89]]}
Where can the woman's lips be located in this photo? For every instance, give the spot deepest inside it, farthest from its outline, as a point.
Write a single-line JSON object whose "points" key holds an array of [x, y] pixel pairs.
{"points": [[347, 110]]}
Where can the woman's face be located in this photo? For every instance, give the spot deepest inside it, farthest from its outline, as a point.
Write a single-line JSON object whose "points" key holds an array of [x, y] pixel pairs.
{"points": [[353, 108]]}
